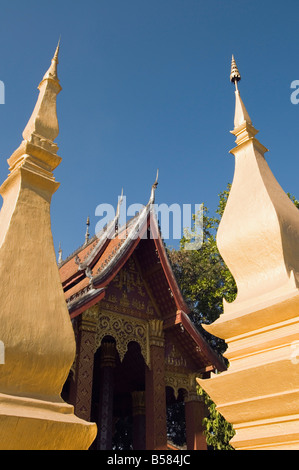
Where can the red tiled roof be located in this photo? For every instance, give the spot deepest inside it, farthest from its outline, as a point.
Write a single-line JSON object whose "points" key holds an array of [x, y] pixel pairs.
{"points": [[69, 268], [73, 272]]}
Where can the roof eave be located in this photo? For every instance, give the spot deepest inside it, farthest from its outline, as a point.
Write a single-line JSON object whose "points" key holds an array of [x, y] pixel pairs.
{"points": [[214, 359]]}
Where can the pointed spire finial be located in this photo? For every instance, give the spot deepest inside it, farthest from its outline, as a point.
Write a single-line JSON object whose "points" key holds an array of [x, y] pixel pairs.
{"points": [[52, 71], [42, 127], [241, 114], [235, 76], [58, 45], [55, 57]]}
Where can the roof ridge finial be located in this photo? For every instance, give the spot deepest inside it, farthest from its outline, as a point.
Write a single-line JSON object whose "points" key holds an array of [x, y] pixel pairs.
{"points": [[154, 187], [120, 200], [59, 254], [235, 76], [87, 231], [117, 214]]}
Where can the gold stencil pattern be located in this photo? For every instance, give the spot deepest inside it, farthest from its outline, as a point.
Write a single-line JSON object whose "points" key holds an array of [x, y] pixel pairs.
{"points": [[124, 329]]}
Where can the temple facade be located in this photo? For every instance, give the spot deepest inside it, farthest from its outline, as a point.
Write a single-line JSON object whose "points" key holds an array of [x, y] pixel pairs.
{"points": [[108, 334], [137, 350]]}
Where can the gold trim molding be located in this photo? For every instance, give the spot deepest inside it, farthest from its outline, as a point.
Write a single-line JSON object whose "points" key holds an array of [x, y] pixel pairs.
{"points": [[89, 319], [179, 380], [123, 329], [156, 333]]}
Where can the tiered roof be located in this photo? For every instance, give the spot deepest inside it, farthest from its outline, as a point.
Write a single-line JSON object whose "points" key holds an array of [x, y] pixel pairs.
{"points": [[88, 272]]}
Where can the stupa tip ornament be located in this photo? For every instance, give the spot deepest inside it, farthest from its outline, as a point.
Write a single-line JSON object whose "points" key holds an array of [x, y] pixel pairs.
{"points": [[241, 114], [52, 71], [235, 76]]}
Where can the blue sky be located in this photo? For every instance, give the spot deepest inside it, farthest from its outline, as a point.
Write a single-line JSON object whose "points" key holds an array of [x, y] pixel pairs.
{"points": [[146, 86]]}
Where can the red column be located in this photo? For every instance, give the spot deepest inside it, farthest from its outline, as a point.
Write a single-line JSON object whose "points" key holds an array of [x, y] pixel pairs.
{"points": [[81, 386], [138, 412], [195, 412], [155, 394], [105, 419]]}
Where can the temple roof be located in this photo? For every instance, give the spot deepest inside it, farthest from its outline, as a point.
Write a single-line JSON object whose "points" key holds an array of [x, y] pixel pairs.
{"points": [[87, 274]]}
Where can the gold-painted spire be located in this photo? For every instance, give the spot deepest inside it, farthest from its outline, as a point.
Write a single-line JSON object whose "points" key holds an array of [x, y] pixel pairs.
{"points": [[241, 115], [35, 322], [42, 127], [52, 71], [258, 240]]}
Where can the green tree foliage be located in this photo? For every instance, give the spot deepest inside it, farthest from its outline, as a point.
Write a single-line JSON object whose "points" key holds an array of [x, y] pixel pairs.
{"points": [[203, 276], [294, 200], [205, 280], [176, 424], [218, 431]]}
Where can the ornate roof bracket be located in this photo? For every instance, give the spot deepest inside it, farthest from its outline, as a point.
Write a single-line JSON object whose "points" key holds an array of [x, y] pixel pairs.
{"points": [[106, 235]]}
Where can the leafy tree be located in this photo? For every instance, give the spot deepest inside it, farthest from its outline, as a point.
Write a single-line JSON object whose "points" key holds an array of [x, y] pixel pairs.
{"points": [[203, 276], [205, 280], [218, 431], [176, 424], [294, 200]]}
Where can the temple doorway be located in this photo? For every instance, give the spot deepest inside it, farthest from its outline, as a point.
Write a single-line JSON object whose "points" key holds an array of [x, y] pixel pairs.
{"points": [[118, 397], [176, 418]]}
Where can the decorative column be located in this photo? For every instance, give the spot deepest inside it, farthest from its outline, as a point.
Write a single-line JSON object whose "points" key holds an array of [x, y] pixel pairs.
{"points": [[195, 412], [155, 394], [35, 325], [138, 412], [105, 421], [81, 386]]}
